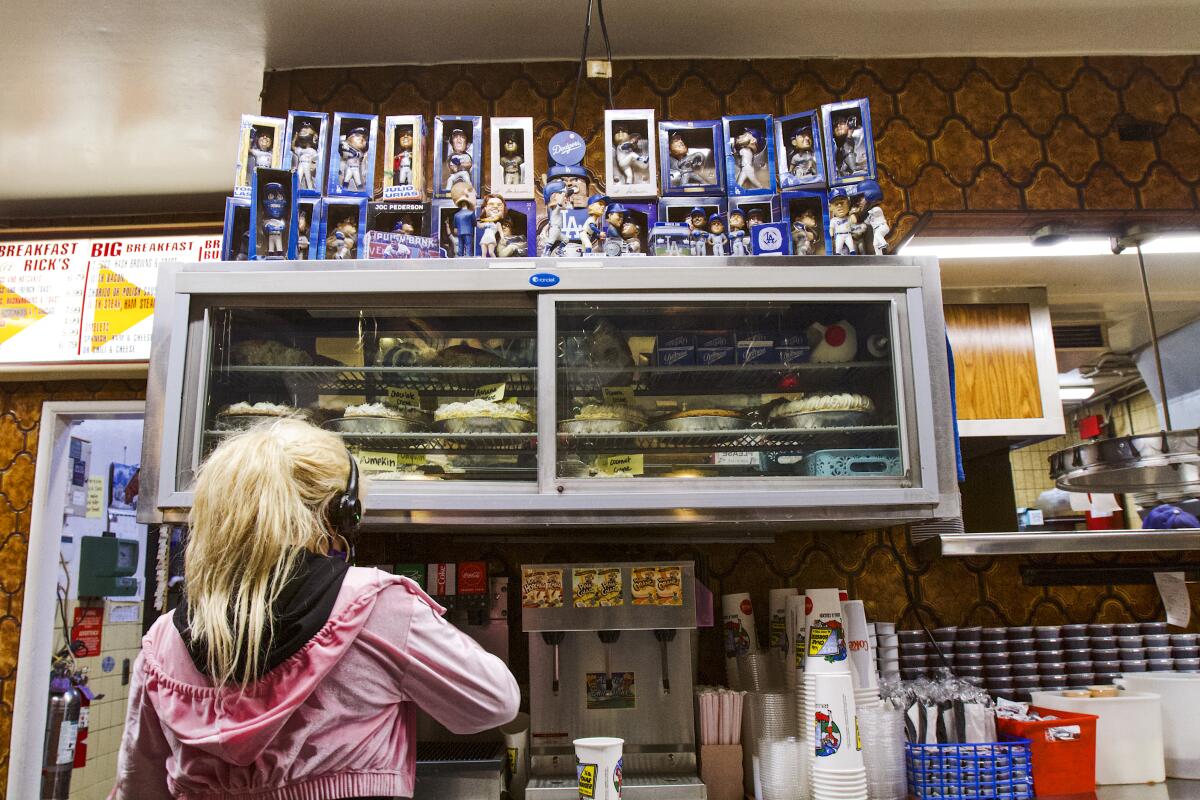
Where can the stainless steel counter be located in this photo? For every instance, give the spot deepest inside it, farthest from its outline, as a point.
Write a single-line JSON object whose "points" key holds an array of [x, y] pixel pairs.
{"points": [[1171, 790]]}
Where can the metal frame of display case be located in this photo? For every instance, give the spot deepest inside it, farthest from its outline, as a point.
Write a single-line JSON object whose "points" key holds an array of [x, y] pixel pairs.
{"points": [[911, 285]]}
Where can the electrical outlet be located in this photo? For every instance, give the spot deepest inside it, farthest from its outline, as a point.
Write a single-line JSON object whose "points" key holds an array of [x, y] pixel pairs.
{"points": [[599, 68]]}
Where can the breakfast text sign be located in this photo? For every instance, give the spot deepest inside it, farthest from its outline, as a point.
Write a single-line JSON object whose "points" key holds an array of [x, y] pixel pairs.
{"points": [[85, 300]]}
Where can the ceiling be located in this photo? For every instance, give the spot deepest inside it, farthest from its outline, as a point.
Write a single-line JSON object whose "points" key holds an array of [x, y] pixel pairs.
{"points": [[123, 106]]}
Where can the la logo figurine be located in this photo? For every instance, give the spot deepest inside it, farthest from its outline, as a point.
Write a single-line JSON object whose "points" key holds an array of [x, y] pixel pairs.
{"points": [[461, 229], [402, 173], [716, 235], [558, 201], [591, 234], [614, 222], [275, 206], [698, 232], [803, 162], [745, 148], [737, 232], [304, 149], [352, 149], [841, 226], [870, 227], [261, 153]]}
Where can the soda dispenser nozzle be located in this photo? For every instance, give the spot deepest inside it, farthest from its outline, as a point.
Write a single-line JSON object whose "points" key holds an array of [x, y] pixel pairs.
{"points": [[664, 636], [608, 637], [554, 639]]}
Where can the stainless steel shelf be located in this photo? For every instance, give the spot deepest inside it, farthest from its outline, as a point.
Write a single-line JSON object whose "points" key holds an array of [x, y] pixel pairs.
{"points": [[356, 380], [432, 442], [733, 440], [1012, 543], [724, 378]]}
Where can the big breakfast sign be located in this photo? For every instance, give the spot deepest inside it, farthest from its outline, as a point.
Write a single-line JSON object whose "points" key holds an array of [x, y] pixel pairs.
{"points": [[86, 300]]}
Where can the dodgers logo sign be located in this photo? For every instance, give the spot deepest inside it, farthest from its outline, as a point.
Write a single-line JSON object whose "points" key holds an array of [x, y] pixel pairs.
{"points": [[566, 148], [544, 279]]}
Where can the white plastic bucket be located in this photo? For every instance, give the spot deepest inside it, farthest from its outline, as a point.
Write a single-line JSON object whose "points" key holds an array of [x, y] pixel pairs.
{"points": [[1180, 693]]}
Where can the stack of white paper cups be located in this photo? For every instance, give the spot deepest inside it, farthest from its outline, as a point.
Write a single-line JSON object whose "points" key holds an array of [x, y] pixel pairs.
{"points": [[516, 743], [862, 658], [838, 772], [829, 700], [741, 637], [778, 641], [796, 634]]}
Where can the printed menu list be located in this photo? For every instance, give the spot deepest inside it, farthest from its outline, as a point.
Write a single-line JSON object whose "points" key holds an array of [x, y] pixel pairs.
{"points": [[86, 299]]}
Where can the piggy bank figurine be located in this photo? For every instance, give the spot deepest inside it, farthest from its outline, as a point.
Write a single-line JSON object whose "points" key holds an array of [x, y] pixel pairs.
{"points": [[833, 344]]}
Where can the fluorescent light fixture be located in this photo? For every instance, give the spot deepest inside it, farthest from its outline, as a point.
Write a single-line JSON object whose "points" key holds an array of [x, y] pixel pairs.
{"points": [[1076, 392], [1022, 247]]}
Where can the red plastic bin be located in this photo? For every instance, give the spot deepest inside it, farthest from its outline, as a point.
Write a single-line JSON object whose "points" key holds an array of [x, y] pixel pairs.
{"points": [[1061, 766]]}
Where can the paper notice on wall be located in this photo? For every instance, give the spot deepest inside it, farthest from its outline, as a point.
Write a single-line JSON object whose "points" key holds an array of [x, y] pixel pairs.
{"points": [[95, 497], [86, 299], [1175, 598]]}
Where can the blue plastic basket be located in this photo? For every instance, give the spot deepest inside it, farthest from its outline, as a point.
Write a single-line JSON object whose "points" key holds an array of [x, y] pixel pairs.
{"points": [[991, 769]]}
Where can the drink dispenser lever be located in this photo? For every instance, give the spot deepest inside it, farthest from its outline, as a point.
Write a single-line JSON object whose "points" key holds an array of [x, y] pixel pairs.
{"points": [[664, 636], [554, 639], [608, 637]]}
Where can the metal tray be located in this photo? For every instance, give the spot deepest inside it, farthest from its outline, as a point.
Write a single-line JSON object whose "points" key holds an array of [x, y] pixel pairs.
{"points": [[486, 425], [578, 427], [809, 420], [411, 422], [702, 424], [241, 422]]}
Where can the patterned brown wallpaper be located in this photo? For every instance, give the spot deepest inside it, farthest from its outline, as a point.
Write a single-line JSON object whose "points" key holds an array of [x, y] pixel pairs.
{"points": [[20, 418], [873, 566], [952, 134]]}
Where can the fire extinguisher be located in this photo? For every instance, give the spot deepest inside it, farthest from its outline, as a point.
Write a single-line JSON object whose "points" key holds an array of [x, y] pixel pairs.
{"points": [[85, 701], [62, 726]]}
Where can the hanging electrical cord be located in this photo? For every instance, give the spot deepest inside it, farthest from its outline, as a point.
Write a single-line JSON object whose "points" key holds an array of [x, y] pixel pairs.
{"points": [[607, 48], [905, 578], [587, 30]]}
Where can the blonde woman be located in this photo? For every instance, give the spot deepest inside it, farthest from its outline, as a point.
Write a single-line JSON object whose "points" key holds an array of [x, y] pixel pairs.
{"points": [[288, 674]]}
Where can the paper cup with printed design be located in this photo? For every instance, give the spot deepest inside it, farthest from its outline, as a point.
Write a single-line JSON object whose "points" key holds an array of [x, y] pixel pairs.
{"points": [[737, 614], [778, 640], [825, 638], [858, 643], [598, 766], [516, 745], [796, 635], [836, 743]]}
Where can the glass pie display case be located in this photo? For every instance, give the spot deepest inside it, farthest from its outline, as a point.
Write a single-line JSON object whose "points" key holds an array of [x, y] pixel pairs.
{"points": [[806, 391]]}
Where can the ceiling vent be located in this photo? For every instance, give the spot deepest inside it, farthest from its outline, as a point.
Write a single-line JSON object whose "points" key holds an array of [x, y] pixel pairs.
{"points": [[1078, 337]]}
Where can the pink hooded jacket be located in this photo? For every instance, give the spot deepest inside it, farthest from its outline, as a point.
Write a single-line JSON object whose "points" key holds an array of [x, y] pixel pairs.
{"points": [[335, 720]]}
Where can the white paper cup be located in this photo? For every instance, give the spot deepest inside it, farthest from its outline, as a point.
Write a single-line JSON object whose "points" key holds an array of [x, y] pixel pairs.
{"points": [[796, 630], [516, 744], [825, 649], [836, 743], [598, 767], [862, 659], [778, 640], [738, 619]]}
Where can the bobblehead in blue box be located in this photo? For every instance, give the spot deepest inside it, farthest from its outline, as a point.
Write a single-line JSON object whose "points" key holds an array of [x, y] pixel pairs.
{"points": [[807, 217], [235, 234], [749, 154], [352, 155], [691, 157], [343, 225], [273, 214]]}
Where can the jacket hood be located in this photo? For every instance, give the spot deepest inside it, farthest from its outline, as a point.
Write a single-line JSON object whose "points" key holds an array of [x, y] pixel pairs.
{"points": [[238, 725], [301, 609]]}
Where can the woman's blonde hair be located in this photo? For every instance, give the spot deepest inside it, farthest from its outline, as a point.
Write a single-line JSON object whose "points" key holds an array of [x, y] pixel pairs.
{"points": [[261, 501]]}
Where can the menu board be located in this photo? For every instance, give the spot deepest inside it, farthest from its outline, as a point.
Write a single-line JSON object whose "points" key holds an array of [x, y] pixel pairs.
{"points": [[86, 300]]}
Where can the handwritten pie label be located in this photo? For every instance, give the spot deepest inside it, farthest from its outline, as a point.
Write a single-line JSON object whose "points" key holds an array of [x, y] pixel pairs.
{"points": [[618, 395], [403, 396], [493, 392]]}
